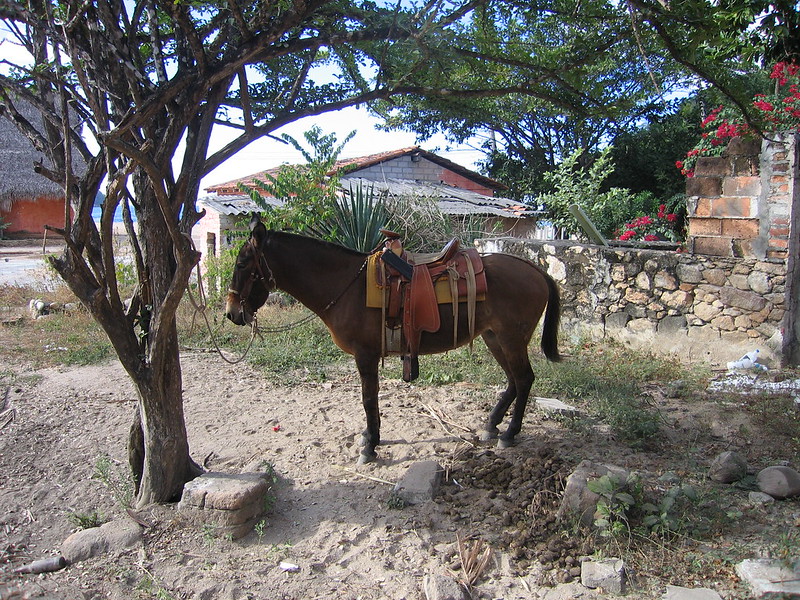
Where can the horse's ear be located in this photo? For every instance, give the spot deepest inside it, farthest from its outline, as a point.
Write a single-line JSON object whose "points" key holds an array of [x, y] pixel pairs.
{"points": [[257, 229]]}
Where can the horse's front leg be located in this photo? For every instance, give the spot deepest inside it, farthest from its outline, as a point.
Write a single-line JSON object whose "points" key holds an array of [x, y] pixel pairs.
{"points": [[368, 370]]}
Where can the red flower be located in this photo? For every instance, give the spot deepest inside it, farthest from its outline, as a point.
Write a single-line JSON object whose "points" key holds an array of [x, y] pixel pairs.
{"points": [[763, 105], [650, 238], [672, 217], [627, 235], [678, 164]]}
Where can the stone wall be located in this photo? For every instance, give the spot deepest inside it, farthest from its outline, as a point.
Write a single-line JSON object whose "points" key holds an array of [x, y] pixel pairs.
{"points": [[704, 307]]}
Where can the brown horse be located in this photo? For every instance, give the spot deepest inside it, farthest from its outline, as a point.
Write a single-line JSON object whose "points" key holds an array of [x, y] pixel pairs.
{"points": [[331, 281]]}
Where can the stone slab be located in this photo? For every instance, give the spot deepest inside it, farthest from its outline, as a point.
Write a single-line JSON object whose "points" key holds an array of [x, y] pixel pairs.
{"points": [[556, 407], [676, 592], [770, 578], [420, 482], [225, 491]]}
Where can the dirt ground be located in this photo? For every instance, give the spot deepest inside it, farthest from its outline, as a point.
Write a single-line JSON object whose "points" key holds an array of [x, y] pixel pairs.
{"points": [[334, 519]]}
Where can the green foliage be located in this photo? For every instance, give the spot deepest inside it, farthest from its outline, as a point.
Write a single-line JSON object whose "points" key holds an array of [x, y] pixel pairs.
{"points": [[304, 353], [425, 228], [356, 220], [616, 497], [116, 478], [308, 191], [661, 518], [86, 520], [574, 183], [624, 509], [607, 379]]}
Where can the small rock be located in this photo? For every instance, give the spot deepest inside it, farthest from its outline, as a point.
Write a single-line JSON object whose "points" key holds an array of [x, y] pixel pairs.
{"points": [[760, 498], [779, 482], [675, 592], [420, 483], [439, 587], [728, 467], [556, 407], [112, 537], [608, 574]]}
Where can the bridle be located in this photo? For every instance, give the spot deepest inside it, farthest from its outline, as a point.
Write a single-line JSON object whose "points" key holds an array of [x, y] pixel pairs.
{"points": [[260, 272]]}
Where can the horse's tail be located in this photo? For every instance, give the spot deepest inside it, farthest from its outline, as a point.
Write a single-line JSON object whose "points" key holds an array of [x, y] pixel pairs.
{"points": [[552, 316]]}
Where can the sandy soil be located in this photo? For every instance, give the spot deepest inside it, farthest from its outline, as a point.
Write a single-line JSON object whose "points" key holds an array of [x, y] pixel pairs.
{"points": [[331, 518]]}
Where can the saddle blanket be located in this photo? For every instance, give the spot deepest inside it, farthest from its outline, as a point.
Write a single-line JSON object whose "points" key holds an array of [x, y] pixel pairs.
{"points": [[375, 292]]}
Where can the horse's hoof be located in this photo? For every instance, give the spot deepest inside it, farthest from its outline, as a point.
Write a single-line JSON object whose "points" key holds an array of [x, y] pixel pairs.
{"points": [[365, 458], [503, 444], [487, 435]]}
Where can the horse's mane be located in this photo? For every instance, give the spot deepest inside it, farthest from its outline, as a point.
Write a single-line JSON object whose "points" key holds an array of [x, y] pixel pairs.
{"points": [[320, 244]]}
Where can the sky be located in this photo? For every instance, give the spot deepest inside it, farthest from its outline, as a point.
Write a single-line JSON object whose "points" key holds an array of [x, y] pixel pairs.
{"points": [[268, 153]]}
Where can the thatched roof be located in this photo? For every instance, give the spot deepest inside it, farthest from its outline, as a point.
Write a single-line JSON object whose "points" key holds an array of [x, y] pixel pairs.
{"points": [[17, 178]]}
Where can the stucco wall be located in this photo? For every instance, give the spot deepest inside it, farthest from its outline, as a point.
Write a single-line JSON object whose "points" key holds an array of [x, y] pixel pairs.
{"points": [[30, 216], [703, 307]]}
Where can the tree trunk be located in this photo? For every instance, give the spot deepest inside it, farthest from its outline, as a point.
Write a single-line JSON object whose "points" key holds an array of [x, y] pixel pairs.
{"points": [[158, 446]]}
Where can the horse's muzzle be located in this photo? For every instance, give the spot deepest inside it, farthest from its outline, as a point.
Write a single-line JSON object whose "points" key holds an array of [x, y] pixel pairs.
{"points": [[236, 313]]}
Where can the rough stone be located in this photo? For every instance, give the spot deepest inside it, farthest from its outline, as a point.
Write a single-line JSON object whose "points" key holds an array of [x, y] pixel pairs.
{"points": [[231, 503], [742, 299], [759, 282], [689, 273], [420, 482], [643, 281], [715, 276], [224, 491], [677, 299], [607, 574], [557, 407], [110, 538], [665, 281], [441, 587], [675, 592], [760, 498], [578, 499], [728, 467], [706, 311], [642, 326], [779, 482], [617, 319], [770, 578], [672, 325]]}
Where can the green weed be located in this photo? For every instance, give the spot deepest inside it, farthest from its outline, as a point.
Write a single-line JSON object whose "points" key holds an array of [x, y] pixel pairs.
{"points": [[86, 520], [116, 478]]}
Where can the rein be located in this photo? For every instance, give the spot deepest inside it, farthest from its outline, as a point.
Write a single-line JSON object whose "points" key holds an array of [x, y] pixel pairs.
{"points": [[256, 330]]}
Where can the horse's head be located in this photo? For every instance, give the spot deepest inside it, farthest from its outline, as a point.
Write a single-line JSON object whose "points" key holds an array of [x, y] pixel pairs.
{"points": [[252, 279]]}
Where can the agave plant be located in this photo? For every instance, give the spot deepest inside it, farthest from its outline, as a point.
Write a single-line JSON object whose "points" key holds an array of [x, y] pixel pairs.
{"points": [[356, 219]]}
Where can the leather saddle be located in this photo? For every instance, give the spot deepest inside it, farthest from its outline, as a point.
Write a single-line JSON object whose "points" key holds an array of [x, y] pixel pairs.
{"points": [[415, 284]]}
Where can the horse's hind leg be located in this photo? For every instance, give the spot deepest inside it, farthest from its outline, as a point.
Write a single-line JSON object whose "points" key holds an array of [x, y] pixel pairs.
{"points": [[371, 437], [516, 364], [506, 397]]}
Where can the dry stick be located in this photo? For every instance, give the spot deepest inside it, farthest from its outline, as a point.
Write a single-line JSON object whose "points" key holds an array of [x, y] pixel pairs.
{"points": [[474, 560], [440, 417], [370, 477]]}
